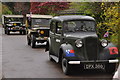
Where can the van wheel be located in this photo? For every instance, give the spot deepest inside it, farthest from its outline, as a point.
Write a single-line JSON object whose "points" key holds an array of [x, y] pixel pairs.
{"points": [[8, 32], [28, 41], [5, 31], [33, 41], [110, 68], [24, 32], [65, 66], [20, 32]]}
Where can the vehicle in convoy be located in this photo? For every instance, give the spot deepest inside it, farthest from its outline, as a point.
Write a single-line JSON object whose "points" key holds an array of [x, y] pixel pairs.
{"points": [[37, 28], [13, 23], [74, 42]]}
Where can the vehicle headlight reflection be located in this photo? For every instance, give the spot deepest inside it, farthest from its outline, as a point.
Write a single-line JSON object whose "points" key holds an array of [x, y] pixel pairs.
{"points": [[79, 43], [104, 42]]}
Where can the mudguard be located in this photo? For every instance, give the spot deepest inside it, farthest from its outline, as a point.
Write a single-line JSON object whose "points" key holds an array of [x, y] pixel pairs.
{"points": [[48, 44], [109, 52], [67, 50]]}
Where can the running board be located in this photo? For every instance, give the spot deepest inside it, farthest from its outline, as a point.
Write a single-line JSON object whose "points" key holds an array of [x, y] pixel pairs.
{"points": [[55, 58]]}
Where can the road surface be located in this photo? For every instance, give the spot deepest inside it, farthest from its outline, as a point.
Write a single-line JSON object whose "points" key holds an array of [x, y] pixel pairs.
{"points": [[0, 51], [21, 61]]}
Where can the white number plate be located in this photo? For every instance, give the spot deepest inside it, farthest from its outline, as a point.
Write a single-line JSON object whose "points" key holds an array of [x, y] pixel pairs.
{"points": [[94, 66], [16, 26]]}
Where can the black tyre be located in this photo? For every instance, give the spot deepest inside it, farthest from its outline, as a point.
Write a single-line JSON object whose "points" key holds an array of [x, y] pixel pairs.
{"points": [[110, 68], [28, 41], [33, 41], [24, 32], [65, 66], [20, 32], [8, 32], [5, 31]]}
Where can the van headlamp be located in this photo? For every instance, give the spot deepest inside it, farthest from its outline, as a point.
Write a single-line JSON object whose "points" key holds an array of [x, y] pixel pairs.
{"points": [[9, 24], [41, 32], [104, 42], [79, 43], [38, 31]]}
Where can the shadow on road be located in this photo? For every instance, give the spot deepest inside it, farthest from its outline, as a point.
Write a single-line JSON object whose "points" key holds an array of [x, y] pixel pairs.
{"points": [[40, 46]]}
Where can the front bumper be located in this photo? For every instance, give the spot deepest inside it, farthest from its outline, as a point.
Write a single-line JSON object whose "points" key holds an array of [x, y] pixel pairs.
{"points": [[97, 61], [41, 38], [17, 29]]}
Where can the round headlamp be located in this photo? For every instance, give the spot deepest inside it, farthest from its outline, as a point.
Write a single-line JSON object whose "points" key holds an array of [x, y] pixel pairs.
{"points": [[78, 43], [104, 42], [38, 31], [9, 24]]}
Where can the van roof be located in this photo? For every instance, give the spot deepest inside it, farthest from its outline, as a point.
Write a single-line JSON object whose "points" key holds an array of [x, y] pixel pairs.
{"points": [[38, 16], [14, 16], [73, 17]]}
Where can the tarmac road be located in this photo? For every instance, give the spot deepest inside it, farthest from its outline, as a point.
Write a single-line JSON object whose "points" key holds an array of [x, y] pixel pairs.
{"points": [[0, 52], [21, 61]]}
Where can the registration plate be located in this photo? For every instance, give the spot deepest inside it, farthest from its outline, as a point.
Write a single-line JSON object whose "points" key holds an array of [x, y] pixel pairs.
{"points": [[16, 26], [94, 66]]}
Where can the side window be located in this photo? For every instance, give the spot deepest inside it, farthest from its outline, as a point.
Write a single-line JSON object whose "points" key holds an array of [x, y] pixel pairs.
{"points": [[29, 21], [59, 28], [52, 27]]}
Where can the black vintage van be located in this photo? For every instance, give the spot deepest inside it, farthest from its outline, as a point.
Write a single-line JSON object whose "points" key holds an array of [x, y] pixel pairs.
{"points": [[13, 23], [73, 42], [37, 28]]}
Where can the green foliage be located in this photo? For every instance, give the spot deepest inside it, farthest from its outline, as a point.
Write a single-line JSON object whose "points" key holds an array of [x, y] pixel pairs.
{"points": [[92, 8], [106, 15], [6, 10], [111, 20], [0, 12], [10, 5]]}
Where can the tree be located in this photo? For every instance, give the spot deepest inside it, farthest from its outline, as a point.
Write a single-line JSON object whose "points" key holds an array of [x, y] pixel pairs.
{"points": [[10, 5], [91, 8], [48, 7], [6, 10], [111, 21], [18, 7], [21, 7], [106, 15], [0, 9]]}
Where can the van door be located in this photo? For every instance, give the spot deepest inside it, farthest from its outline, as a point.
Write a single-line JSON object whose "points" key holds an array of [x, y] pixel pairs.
{"points": [[58, 37]]}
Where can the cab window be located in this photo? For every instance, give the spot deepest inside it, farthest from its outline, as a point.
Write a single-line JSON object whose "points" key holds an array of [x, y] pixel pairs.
{"points": [[59, 28], [52, 26]]}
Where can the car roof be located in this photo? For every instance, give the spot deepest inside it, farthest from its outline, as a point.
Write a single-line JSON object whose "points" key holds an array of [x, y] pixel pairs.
{"points": [[13, 16], [72, 17], [38, 16]]}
